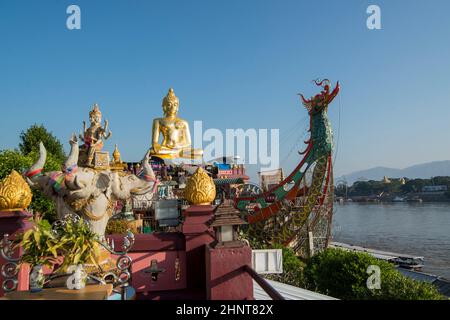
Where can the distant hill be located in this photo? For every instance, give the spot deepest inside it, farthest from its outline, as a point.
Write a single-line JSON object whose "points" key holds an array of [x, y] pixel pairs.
{"points": [[423, 171]]}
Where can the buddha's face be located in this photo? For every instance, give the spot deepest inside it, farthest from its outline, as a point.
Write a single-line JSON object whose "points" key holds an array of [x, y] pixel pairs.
{"points": [[170, 108]]}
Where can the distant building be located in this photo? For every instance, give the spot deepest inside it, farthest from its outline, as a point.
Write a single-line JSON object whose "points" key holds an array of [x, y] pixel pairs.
{"points": [[270, 179], [386, 180], [441, 188]]}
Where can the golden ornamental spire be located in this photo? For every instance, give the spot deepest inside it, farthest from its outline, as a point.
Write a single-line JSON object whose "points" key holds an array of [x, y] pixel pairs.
{"points": [[116, 155], [15, 193], [170, 98], [200, 188]]}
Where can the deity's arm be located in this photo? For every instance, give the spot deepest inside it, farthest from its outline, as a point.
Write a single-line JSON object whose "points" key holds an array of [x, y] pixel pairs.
{"points": [[108, 135], [81, 136], [105, 129]]}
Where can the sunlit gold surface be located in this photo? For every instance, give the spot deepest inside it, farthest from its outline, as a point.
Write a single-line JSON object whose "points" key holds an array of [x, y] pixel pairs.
{"points": [[116, 155], [175, 131], [15, 194], [200, 188], [103, 261]]}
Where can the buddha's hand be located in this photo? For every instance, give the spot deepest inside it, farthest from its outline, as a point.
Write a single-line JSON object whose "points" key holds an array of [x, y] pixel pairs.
{"points": [[156, 147]]}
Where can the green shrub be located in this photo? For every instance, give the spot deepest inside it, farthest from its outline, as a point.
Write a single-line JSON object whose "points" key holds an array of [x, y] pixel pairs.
{"points": [[343, 275], [292, 267]]}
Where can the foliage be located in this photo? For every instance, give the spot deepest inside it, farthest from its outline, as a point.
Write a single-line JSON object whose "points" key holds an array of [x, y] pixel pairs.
{"points": [[44, 205], [39, 243], [343, 275], [36, 133], [73, 240], [292, 268], [12, 160], [372, 187], [367, 188], [117, 226], [15, 160], [78, 243]]}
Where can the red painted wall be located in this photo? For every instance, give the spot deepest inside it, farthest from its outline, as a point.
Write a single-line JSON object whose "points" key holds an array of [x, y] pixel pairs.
{"points": [[225, 276], [165, 248]]}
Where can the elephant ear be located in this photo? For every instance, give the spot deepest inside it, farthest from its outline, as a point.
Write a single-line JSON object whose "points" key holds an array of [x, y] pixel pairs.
{"points": [[103, 181]]}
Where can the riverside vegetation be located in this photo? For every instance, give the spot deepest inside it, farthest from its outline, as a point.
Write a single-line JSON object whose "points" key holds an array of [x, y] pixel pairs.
{"points": [[342, 274]]}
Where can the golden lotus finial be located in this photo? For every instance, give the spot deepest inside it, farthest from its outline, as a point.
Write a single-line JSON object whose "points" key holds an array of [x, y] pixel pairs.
{"points": [[15, 193], [200, 188]]}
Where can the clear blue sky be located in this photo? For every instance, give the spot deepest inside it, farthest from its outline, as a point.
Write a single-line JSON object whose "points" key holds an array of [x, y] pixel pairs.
{"points": [[233, 64]]}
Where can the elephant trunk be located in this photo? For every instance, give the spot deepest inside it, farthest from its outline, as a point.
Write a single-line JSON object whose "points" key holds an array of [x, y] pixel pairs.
{"points": [[37, 168]]}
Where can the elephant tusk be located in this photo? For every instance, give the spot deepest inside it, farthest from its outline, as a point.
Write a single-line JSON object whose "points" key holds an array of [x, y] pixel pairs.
{"points": [[30, 182], [78, 185], [39, 165]]}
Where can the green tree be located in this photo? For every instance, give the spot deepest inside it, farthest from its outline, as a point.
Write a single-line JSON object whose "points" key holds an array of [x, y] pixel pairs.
{"points": [[361, 188], [22, 159], [14, 160], [36, 133]]}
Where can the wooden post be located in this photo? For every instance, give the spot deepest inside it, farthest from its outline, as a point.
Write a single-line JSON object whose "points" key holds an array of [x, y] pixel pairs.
{"points": [[310, 243]]}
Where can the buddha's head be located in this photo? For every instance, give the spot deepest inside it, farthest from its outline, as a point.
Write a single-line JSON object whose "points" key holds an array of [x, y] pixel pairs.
{"points": [[170, 104], [95, 116]]}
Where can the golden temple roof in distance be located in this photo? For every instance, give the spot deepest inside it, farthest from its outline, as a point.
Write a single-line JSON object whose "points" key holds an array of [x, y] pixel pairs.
{"points": [[15, 193], [200, 188]]}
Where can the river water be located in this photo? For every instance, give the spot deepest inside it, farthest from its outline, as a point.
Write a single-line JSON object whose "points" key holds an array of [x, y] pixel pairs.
{"points": [[421, 229]]}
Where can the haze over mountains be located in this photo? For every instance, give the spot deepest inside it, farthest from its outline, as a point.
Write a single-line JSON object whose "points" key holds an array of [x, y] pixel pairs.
{"points": [[423, 171]]}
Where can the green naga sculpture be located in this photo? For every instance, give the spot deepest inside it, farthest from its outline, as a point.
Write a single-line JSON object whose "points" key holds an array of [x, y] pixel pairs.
{"points": [[304, 200]]}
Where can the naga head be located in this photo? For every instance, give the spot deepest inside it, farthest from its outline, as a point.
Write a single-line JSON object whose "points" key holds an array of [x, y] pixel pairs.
{"points": [[320, 101]]}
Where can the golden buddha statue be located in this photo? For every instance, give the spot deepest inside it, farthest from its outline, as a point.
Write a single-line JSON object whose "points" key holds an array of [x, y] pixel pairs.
{"points": [[175, 131], [116, 163]]}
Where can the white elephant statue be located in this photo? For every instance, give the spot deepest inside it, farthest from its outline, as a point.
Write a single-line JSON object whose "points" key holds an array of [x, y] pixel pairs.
{"points": [[88, 192]]}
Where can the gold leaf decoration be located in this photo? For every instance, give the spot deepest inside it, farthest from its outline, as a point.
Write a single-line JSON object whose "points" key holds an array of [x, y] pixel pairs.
{"points": [[200, 188], [15, 193]]}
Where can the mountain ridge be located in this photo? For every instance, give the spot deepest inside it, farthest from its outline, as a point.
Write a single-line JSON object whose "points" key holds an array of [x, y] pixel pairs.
{"points": [[422, 171]]}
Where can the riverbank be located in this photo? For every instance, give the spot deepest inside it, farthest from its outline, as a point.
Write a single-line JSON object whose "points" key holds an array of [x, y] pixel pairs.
{"points": [[421, 229]]}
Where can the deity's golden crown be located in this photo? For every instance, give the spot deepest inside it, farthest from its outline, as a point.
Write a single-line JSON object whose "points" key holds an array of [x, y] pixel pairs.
{"points": [[171, 97], [95, 111]]}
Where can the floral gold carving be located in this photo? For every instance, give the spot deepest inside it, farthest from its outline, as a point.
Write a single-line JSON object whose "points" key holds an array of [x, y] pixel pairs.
{"points": [[15, 194], [200, 188]]}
